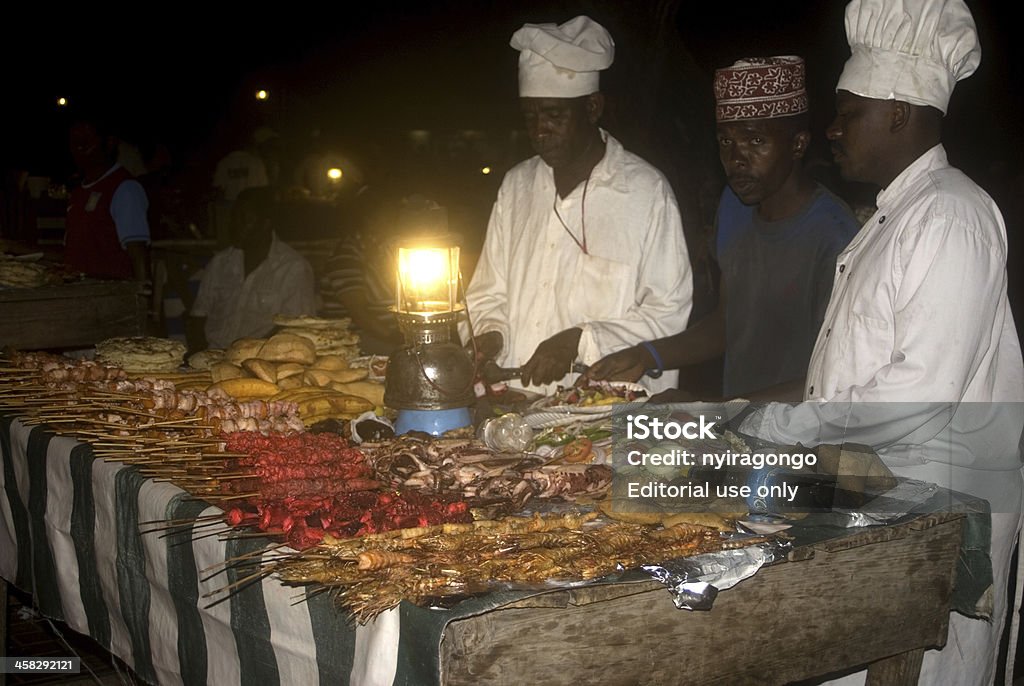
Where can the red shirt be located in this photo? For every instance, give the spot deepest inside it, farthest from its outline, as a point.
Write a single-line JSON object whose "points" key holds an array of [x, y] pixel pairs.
{"points": [[91, 244]]}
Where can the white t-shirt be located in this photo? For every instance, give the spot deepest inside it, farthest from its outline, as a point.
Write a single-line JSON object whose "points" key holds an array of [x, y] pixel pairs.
{"points": [[239, 306]]}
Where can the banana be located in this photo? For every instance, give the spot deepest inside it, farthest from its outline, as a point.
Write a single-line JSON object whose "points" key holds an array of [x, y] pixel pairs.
{"points": [[293, 394], [317, 405], [247, 388], [332, 401], [370, 390]]}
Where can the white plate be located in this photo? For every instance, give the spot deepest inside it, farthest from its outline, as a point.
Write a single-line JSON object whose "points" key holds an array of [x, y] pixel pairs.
{"points": [[560, 416], [589, 409], [546, 420], [540, 416]]}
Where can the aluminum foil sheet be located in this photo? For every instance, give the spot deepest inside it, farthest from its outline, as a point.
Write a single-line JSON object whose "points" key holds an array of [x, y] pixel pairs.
{"points": [[908, 496], [694, 582]]}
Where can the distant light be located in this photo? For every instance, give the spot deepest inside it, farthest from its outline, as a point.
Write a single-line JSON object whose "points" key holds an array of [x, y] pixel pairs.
{"points": [[262, 94], [485, 170], [334, 174], [62, 102]]}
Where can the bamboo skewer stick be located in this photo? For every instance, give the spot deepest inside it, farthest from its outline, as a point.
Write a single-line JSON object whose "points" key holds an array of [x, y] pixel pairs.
{"points": [[182, 526], [239, 496], [225, 563], [175, 522], [172, 532], [239, 585]]}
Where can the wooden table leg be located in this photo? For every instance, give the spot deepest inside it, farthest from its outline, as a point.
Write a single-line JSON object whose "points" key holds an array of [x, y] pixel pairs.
{"points": [[898, 670]]}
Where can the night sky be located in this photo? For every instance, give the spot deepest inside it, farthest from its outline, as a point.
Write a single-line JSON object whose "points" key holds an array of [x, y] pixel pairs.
{"points": [[370, 73]]}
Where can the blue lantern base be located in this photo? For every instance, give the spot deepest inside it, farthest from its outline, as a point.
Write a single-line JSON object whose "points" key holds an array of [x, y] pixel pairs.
{"points": [[433, 422]]}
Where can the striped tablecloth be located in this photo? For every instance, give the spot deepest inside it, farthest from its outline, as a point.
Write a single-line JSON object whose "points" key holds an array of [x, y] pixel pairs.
{"points": [[69, 534]]}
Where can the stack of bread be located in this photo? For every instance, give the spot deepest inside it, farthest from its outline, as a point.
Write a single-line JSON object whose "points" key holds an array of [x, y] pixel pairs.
{"points": [[329, 336], [141, 354], [287, 366], [18, 274]]}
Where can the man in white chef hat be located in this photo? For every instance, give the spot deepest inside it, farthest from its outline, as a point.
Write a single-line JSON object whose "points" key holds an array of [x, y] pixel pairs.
{"points": [[584, 253], [918, 354]]}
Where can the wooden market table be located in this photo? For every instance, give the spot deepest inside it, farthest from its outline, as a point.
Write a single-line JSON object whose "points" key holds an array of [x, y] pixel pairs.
{"points": [[876, 597], [69, 534], [70, 315]]}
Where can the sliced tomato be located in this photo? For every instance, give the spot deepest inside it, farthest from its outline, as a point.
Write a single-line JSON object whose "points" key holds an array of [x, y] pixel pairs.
{"points": [[578, 451]]}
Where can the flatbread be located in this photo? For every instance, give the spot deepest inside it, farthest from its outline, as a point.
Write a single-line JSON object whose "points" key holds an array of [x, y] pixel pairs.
{"points": [[312, 322], [349, 352], [324, 338], [141, 354], [18, 274]]}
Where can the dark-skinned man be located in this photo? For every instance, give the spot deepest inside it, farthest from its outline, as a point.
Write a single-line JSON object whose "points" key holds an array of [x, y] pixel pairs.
{"points": [[918, 355], [245, 285], [584, 253], [107, 233], [777, 235]]}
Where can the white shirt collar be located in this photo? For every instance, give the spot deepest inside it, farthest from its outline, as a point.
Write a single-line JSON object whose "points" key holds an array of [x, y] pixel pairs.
{"points": [[117, 165], [934, 158]]}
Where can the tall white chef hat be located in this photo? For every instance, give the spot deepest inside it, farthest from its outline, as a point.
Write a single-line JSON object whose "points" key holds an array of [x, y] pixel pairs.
{"points": [[909, 50], [562, 61]]}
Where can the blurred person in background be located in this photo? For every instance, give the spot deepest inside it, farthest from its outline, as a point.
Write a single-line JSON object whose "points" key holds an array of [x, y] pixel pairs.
{"points": [[236, 171], [245, 285], [107, 233], [359, 279]]}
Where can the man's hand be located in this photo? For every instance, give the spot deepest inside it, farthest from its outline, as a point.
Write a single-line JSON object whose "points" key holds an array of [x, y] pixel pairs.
{"points": [[625, 365], [488, 345], [552, 359]]}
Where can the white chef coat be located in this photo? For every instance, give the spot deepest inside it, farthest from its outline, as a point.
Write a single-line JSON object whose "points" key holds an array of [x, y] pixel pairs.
{"points": [[239, 306], [919, 315], [533, 280], [918, 356]]}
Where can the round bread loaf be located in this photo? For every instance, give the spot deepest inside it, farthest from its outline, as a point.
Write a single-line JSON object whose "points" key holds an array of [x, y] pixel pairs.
{"points": [[286, 347], [242, 349]]}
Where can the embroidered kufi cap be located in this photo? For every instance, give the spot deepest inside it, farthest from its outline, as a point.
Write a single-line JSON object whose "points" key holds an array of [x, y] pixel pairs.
{"points": [[761, 88]]}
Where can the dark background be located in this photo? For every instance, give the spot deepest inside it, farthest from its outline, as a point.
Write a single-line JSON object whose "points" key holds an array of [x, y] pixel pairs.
{"points": [[373, 81], [369, 72]]}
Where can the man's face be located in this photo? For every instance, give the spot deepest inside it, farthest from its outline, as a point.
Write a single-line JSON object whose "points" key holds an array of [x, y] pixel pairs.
{"points": [[859, 135], [88, 148], [757, 156], [560, 129]]}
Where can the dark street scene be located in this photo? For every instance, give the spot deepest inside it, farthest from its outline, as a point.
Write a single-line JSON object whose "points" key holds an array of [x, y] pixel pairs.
{"points": [[431, 343]]}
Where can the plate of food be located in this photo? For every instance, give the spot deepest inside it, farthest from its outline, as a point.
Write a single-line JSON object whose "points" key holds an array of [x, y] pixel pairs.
{"points": [[594, 400]]}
